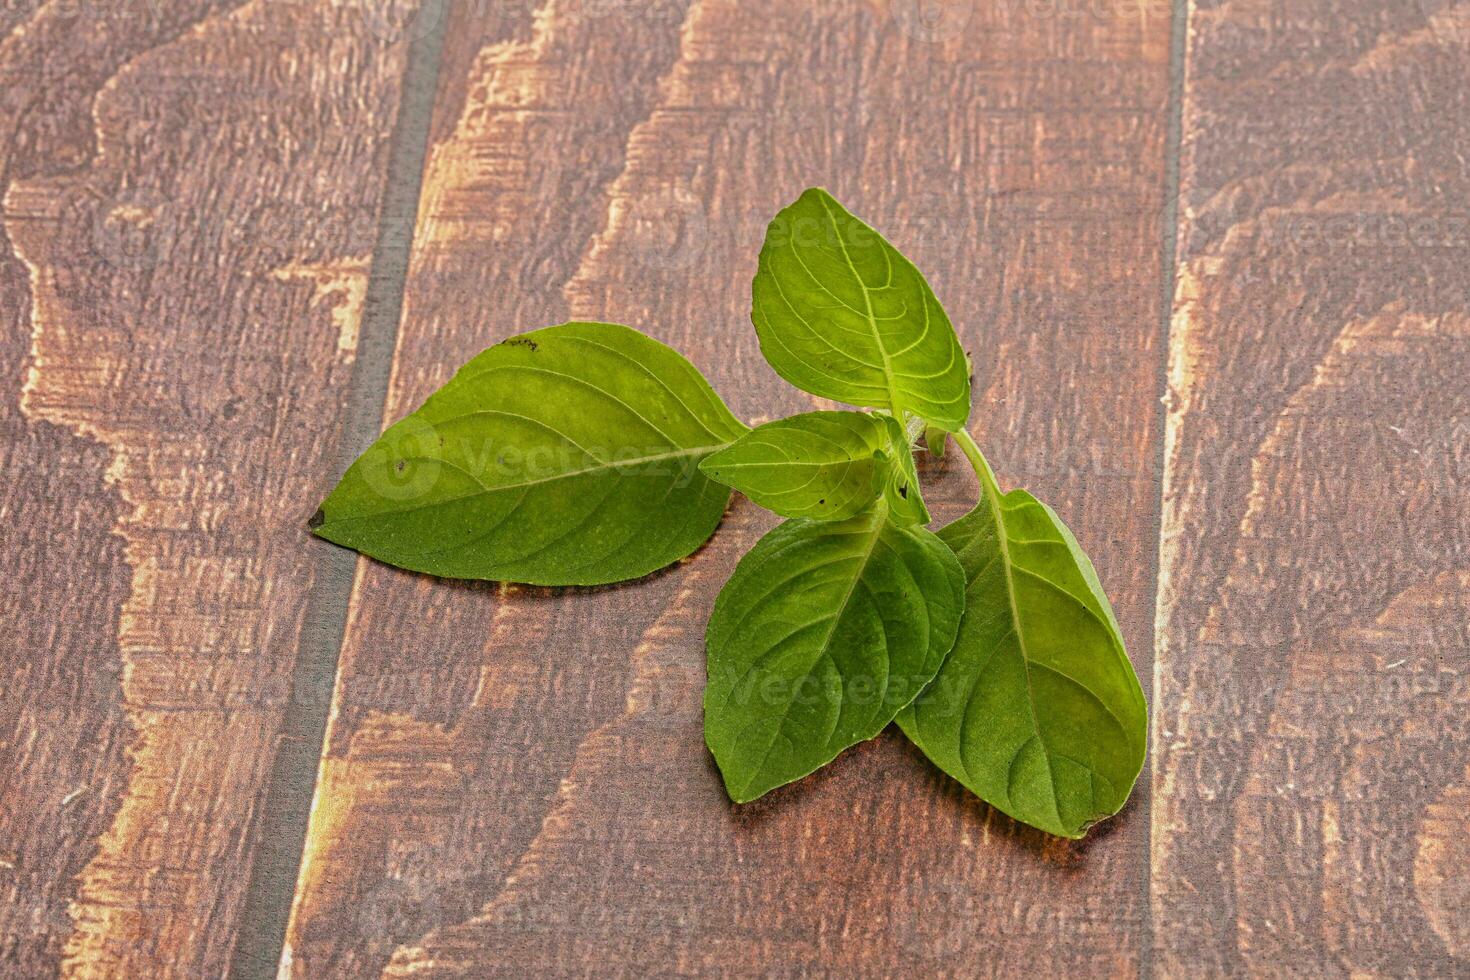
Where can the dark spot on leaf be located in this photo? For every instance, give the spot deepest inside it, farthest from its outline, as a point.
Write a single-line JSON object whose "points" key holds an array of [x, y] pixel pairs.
{"points": [[317, 520], [525, 342], [822, 501], [399, 466], [903, 491]]}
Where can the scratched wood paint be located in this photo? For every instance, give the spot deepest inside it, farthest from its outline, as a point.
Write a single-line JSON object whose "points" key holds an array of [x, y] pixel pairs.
{"points": [[515, 780], [1313, 759], [190, 194]]}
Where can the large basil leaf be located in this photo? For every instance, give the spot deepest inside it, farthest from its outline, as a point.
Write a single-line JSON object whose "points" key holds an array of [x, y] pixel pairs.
{"points": [[1037, 709], [842, 314], [823, 465], [563, 456], [822, 634]]}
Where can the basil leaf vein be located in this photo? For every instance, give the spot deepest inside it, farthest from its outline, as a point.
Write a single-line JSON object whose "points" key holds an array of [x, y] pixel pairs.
{"points": [[823, 633]]}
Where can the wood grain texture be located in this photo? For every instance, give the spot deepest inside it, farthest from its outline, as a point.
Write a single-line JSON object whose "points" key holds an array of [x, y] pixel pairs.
{"points": [[515, 780], [190, 193], [1313, 756], [459, 707]]}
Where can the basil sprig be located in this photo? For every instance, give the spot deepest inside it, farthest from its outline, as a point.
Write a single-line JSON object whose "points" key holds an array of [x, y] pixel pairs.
{"points": [[589, 453]]}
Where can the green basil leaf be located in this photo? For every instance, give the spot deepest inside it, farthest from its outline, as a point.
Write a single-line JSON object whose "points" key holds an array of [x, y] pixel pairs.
{"points": [[842, 314], [822, 634], [901, 489], [934, 439], [826, 466], [821, 465], [563, 456], [1037, 709]]}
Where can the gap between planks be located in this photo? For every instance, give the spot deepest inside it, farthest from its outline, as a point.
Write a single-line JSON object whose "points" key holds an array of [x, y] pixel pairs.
{"points": [[286, 808], [1168, 253]]}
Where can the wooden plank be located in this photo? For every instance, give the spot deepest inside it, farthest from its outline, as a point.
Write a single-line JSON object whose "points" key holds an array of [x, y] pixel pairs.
{"points": [[460, 708], [515, 780], [1312, 751], [190, 193]]}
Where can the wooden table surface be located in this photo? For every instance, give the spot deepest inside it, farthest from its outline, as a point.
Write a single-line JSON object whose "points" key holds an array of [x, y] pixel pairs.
{"points": [[1212, 263]]}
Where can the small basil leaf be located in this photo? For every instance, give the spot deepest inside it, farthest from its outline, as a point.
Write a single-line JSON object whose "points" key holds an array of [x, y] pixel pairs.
{"points": [[825, 466], [1037, 709], [563, 456], [901, 488], [842, 314], [934, 439], [822, 634], [821, 465]]}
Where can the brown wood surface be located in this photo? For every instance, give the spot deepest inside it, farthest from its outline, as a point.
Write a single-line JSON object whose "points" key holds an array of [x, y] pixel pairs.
{"points": [[191, 194], [1312, 756], [514, 780]]}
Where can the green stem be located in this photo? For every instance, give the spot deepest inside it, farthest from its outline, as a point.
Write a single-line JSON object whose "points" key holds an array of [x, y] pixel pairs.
{"points": [[977, 459]]}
